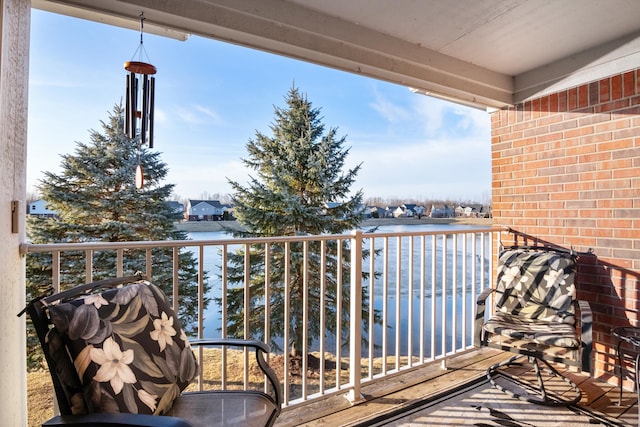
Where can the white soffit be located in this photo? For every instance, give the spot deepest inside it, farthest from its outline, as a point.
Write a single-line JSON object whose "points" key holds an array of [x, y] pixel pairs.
{"points": [[487, 53]]}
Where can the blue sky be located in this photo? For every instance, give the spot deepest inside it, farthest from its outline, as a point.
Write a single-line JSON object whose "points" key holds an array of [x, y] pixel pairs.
{"points": [[212, 97]]}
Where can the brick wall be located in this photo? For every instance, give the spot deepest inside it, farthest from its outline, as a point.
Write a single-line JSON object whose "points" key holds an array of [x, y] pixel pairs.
{"points": [[566, 170]]}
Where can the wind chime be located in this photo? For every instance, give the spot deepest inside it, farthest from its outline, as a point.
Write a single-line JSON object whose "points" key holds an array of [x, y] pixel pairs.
{"points": [[140, 100]]}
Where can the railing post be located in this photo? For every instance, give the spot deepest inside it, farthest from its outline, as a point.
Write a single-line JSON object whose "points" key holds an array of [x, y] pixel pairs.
{"points": [[355, 318]]}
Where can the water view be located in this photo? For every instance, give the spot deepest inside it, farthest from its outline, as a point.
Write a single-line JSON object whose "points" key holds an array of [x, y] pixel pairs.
{"points": [[397, 297]]}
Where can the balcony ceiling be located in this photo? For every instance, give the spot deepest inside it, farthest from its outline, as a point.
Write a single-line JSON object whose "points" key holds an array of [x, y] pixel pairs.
{"points": [[486, 53]]}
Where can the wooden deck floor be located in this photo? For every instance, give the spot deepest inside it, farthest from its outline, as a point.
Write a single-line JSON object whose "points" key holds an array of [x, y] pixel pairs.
{"points": [[405, 389]]}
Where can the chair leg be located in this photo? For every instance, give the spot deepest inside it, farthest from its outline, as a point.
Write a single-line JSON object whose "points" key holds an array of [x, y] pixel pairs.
{"points": [[536, 369], [523, 390]]}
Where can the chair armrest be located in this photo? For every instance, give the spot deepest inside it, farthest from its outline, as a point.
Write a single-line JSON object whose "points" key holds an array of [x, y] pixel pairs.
{"points": [[479, 321], [112, 420], [586, 340], [234, 342], [482, 297], [260, 348]]}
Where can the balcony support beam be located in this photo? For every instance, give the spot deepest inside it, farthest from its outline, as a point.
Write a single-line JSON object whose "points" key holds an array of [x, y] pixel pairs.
{"points": [[15, 21], [355, 318]]}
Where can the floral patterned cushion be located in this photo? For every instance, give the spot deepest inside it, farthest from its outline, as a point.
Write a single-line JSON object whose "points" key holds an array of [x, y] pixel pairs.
{"points": [[128, 348], [536, 285], [529, 330]]}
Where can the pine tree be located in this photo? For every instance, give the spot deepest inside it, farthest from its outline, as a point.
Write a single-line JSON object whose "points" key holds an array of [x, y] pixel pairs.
{"points": [[96, 199], [299, 171]]}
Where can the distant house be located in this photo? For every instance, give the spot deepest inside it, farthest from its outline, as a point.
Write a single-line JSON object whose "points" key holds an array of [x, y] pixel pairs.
{"points": [[392, 211], [39, 209], [400, 211], [407, 210], [377, 212], [475, 211], [413, 210], [442, 212], [205, 210]]}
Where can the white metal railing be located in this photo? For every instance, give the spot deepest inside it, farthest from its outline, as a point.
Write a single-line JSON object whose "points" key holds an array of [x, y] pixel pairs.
{"points": [[417, 306]]}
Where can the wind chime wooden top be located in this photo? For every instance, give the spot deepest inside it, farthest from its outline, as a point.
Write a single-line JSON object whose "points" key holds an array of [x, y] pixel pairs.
{"points": [[138, 67], [140, 101]]}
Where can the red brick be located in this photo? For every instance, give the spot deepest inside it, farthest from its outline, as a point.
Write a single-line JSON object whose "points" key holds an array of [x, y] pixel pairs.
{"points": [[535, 108], [627, 173], [579, 131], [549, 120], [612, 203], [593, 119], [613, 105], [580, 189], [617, 145], [551, 137], [581, 186], [605, 95], [583, 96], [594, 93], [553, 102], [623, 123], [632, 154], [616, 87], [629, 112], [629, 84], [572, 99], [511, 116], [526, 111]]}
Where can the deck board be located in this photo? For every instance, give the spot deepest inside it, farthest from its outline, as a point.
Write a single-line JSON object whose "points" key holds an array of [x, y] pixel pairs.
{"points": [[404, 389]]}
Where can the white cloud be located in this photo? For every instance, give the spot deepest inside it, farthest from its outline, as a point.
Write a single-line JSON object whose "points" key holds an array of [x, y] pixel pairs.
{"points": [[432, 117], [473, 120], [160, 116], [442, 168], [197, 115], [388, 110], [208, 112], [430, 112]]}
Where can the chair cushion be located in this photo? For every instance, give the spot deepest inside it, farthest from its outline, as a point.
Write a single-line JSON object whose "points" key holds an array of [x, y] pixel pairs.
{"points": [[536, 285], [66, 372], [128, 347], [532, 330]]}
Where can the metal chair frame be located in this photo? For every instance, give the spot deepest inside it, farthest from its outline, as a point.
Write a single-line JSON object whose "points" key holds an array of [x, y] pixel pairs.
{"points": [[37, 311], [579, 357]]}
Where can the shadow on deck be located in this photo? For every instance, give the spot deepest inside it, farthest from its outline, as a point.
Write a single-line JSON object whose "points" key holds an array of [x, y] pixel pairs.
{"points": [[401, 393]]}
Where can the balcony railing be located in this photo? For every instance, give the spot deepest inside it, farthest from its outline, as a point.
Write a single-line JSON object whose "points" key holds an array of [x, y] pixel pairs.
{"points": [[418, 304]]}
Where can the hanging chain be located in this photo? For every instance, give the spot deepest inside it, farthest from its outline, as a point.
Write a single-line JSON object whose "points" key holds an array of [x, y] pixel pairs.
{"points": [[141, 51], [141, 25]]}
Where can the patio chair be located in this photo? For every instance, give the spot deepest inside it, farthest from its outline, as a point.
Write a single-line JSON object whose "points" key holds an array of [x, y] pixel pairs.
{"points": [[535, 318], [118, 356]]}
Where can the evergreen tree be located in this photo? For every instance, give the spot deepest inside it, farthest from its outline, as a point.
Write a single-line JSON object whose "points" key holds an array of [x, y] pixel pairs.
{"points": [[299, 171], [96, 200]]}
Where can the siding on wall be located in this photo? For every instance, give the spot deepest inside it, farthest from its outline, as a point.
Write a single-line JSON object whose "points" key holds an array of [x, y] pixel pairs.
{"points": [[566, 171], [15, 19]]}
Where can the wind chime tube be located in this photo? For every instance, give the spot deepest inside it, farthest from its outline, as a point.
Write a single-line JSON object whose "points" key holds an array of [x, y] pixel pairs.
{"points": [[152, 97], [127, 107], [130, 112], [134, 104], [145, 109]]}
